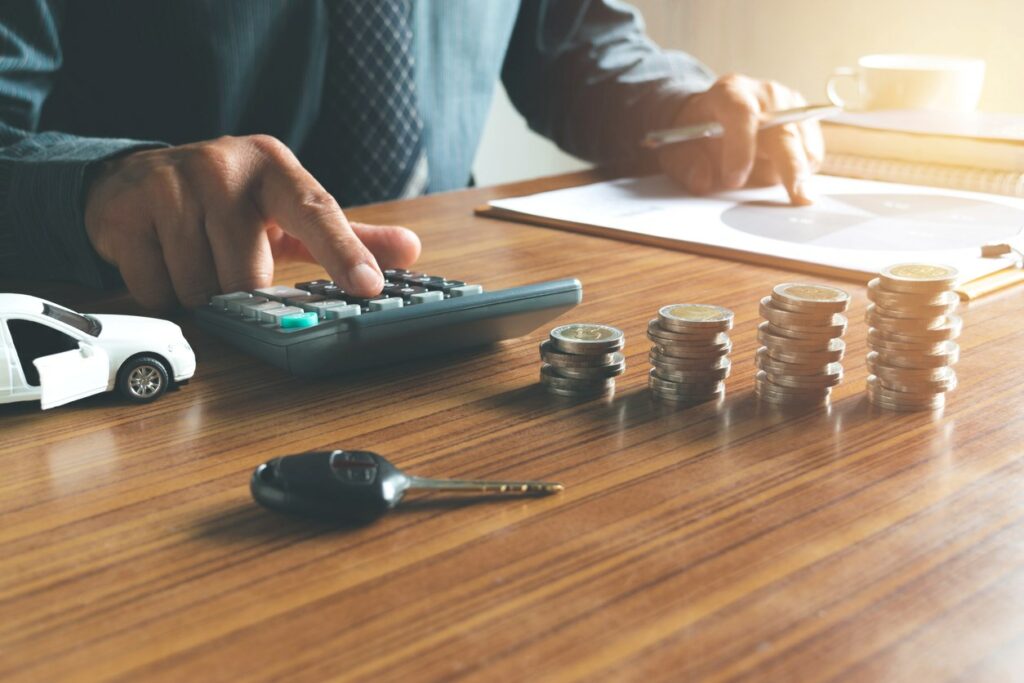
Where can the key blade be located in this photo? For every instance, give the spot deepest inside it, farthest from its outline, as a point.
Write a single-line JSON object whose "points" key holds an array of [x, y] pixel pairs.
{"points": [[515, 488]]}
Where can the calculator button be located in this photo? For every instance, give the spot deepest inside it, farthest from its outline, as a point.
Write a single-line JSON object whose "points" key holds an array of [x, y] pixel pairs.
{"points": [[221, 300], [313, 286], [235, 305], [443, 284], [320, 307], [467, 290], [333, 292], [342, 311], [426, 297], [300, 320], [384, 304], [252, 310], [273, 316], [279, 292], [300, 300], [396, 273]]}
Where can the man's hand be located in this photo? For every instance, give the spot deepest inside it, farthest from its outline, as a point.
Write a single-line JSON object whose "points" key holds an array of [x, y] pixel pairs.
{"points": [[786, 154], [187, 222]]}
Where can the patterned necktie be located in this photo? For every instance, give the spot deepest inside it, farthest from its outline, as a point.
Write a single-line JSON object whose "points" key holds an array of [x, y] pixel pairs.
{"points": [[370, 120]]}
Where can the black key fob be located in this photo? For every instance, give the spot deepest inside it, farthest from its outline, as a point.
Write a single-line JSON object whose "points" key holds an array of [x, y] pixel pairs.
{"points": [[333, 485]]}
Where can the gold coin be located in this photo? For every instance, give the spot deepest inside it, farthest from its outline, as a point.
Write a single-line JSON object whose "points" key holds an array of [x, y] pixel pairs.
{"points": [[695, 334], [810, 297], [887, 299], [833, 354], [765, 362], [921, 271], [690, 316], [917, 278], [949, 355]]}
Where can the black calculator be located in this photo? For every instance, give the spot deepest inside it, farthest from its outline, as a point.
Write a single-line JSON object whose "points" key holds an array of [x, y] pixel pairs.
{"points": [[315, 328]]}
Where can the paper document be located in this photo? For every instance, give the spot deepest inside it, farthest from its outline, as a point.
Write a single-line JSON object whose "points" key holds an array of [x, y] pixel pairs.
{"points": [[858, 226]]}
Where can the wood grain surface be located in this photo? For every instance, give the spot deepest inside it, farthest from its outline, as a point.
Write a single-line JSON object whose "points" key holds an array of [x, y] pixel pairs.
{"points": [[717, 543]]}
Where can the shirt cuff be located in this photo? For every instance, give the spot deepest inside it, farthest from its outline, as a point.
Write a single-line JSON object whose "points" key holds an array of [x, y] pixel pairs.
{"points": [[46, 187]]}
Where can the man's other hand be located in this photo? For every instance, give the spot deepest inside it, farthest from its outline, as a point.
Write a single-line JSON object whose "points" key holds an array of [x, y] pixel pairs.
{"points": [[743, 156], [186, 222]]}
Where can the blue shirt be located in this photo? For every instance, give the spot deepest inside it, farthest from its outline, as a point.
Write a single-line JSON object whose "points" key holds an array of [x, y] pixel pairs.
{"points": [[83, 81]]}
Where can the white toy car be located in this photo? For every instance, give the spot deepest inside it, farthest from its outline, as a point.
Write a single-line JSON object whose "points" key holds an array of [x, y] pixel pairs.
{"points": [[54, 355]]}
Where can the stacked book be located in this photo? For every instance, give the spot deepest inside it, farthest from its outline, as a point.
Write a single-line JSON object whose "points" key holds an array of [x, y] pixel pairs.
{"points": [[981, 152]]}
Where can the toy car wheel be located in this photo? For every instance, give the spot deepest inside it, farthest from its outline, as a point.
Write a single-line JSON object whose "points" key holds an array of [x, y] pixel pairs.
{"points": [[142, 379]]}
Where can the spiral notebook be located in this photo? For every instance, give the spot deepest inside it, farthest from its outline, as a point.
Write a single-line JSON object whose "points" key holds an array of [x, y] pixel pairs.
{"points": [[854, 228]]}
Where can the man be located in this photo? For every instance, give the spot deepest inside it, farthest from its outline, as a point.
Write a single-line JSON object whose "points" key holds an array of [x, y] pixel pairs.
{"points": [[115, 117]]}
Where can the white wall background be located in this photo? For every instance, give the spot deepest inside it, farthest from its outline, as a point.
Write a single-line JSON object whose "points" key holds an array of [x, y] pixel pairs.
{"points": [[797, 42]]}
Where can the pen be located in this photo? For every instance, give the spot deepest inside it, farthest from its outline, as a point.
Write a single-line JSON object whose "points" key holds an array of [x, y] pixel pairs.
{"points": [[713, 129]]}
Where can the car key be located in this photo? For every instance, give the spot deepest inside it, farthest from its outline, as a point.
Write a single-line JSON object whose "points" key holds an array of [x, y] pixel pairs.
{"points": [[358, 485]]}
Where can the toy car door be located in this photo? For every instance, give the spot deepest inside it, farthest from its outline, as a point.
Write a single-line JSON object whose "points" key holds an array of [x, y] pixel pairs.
{"points": [[70, 375], [7, 361]]}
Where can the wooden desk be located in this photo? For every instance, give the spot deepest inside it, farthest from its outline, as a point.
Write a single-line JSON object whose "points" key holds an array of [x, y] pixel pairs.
{"points": [[714, 543]]}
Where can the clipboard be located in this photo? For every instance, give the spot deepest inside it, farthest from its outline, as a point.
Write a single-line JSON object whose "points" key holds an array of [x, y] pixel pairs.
{"points": [[618, 209]]}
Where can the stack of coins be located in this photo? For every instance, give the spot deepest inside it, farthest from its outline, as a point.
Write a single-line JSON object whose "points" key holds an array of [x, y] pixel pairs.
{"points": [[582, 360], [690, 352], [910, 339], [798, 363]]}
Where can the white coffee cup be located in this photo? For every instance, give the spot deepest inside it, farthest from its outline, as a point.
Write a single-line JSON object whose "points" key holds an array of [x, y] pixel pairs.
{"points": [[912, 82]]}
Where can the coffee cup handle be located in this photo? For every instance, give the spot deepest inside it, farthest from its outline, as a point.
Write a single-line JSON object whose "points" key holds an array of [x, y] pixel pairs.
{"points": [[833, 94]]}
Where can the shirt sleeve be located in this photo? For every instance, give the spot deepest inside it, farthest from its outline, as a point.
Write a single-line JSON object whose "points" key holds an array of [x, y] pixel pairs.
{"points": [[585, 75], [43, 174]]}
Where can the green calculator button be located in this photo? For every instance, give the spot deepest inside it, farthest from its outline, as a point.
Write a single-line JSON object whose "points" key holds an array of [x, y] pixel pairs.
{"points": [[295, 320]]}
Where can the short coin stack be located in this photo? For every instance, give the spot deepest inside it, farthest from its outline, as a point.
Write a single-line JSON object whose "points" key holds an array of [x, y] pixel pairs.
{"points": [[582, 360], [798, 363], [690, 353], [910, 339]]}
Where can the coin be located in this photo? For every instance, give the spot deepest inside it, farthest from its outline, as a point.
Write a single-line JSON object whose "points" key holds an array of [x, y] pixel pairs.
{"points": [[771, 312], [819, 334], [882, 341], [658, 358], [587, 338], [670, 374], [833, 353], [684, 389], [949, 355], [897, 374], [552, 356], [887, 299], [765, 362], [917, 278], [766, 337], [657, 333], [681, 317], [938, 401], [567, 386], [680, 351], [613, 369], [950, 329], [801, 297], [925, 387], [902, 398]]}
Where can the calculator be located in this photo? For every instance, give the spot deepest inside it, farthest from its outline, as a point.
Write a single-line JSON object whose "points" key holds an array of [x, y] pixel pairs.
{"points": [[315, 328]]}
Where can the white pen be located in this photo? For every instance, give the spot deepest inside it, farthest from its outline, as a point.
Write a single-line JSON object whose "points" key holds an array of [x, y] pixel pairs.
{"points": [[713, 129]]}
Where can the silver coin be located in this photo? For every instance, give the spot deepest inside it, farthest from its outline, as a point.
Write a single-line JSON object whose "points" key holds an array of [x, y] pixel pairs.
{"points": [[949, 355], [887, 299], [654, 329], [690, 376], [587, 338], [776, 315], [594, 372], [833, 354], [658, 358], [550, 378], [552, 356]]}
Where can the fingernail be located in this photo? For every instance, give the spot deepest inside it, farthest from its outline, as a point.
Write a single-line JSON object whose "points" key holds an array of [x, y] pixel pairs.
{"points": [[799, 196], [365, 279]]}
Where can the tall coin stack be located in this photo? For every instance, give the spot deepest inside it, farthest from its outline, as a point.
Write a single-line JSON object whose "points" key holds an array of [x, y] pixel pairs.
{"points": [[582, 360], [690, 352], [910, 339], [798, 363]]}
